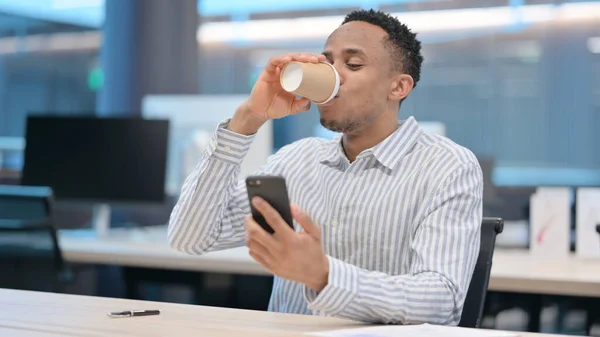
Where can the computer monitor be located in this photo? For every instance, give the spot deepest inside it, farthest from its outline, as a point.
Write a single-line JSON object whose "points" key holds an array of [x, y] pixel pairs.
{"points": [[98, 160]]}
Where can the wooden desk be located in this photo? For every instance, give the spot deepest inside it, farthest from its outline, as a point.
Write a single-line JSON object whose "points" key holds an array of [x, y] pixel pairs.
{"points": [[26, 314], [518, 271], [512, 271], [149, 249], [33, 314]]}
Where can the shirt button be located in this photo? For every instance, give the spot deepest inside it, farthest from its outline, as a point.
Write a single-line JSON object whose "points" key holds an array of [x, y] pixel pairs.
{"points": [[227, 149]]}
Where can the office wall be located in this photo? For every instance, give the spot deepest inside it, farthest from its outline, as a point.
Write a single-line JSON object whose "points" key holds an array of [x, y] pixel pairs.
{"points": [[526, 99], [43, 82]]}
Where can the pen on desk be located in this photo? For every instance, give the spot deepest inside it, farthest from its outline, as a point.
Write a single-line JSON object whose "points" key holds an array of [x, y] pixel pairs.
{"points": [[133, 313]]}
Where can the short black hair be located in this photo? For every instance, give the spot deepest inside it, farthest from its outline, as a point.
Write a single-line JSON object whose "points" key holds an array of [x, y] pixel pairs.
{"points": [[404, 47]]}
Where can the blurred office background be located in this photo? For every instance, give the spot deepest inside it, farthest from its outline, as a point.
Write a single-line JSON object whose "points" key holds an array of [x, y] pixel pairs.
{"points": [[515, 81]]}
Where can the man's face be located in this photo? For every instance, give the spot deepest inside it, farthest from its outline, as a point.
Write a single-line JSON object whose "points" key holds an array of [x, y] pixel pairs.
{"points": [[357, 51]]}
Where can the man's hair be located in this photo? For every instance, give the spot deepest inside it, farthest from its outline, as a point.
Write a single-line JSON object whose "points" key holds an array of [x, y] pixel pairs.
{"points": [[403, 45]]}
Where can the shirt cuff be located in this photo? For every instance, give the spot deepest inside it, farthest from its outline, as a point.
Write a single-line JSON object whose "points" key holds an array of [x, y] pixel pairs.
{"points": [[229, 146], [341, 288]]}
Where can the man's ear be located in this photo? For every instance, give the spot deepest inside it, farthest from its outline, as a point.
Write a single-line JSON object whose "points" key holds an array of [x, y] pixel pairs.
{"points": [[401, 86]]}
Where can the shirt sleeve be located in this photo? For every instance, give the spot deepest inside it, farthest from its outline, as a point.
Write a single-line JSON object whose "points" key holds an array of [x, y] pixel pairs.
{"points": [[444, 252], [213, 202]]}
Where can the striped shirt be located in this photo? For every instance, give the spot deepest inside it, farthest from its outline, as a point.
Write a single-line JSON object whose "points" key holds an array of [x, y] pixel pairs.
{"points": [[400, 224]]}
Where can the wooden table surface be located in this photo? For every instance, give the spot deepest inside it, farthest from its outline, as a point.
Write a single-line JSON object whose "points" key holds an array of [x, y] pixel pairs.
{"points": [[27, 314]]}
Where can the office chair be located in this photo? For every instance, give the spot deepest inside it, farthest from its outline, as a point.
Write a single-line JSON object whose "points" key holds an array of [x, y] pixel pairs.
{"points": [[592, 310], [25, 202], [474, 302], [30, 257]]}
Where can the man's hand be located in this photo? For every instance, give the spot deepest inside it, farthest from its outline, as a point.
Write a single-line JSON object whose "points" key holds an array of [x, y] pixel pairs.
{"points": [[267, 99], [296, 256]]}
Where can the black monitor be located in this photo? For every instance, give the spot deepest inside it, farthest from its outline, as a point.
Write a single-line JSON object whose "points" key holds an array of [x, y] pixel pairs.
{"points": [[97, 159]]}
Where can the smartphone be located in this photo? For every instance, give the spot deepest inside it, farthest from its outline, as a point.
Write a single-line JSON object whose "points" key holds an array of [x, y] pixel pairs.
{"points": [[274, 191]]}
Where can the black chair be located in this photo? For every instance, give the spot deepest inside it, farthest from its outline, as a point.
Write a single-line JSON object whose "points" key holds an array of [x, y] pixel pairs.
{"points": [[474, 302], [30, 257], [25, 202]]}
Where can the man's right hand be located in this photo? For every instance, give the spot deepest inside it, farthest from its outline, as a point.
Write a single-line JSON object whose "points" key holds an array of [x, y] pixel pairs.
{"points": [[268, 100]]}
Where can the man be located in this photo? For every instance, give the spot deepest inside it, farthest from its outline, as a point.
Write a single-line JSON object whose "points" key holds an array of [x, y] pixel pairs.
{"points": [[388, 218]]}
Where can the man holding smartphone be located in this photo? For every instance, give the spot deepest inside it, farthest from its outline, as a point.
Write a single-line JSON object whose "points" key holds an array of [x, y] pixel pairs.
{"points": [[387, 217]]}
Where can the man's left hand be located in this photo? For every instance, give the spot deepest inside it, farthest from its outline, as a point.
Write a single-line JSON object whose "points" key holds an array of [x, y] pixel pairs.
{"points": [[296, 256]]}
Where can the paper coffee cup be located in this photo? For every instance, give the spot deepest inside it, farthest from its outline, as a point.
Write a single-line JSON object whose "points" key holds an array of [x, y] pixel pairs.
{"points": [[319, 82]]}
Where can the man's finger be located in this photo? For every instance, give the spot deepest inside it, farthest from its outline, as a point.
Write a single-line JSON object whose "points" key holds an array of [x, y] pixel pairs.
{"points": [[256, 233], [263, 260], [305, 57], [257, 249], [300, 105], [273, 218], [261, 255], [305, 221], [276, 62]]}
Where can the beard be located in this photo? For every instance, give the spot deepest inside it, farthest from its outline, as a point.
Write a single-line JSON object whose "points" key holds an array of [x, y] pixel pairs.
{"points": [[345, 126]]}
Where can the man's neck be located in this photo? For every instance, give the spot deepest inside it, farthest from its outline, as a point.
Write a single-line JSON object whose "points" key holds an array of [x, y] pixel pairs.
{"points": [[368, 137]]}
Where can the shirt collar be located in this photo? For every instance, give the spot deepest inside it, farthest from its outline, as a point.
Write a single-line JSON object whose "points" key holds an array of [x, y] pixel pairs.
{"points": [[334, 154], [388, 152]]}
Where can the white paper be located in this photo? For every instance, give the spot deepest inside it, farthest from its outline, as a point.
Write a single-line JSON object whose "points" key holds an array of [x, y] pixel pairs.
{"points": [[550, 219], [588, 216], [421, 330]]}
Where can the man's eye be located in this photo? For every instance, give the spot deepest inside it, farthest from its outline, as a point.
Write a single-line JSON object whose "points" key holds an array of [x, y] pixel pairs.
{"points": [[353, 66]]}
